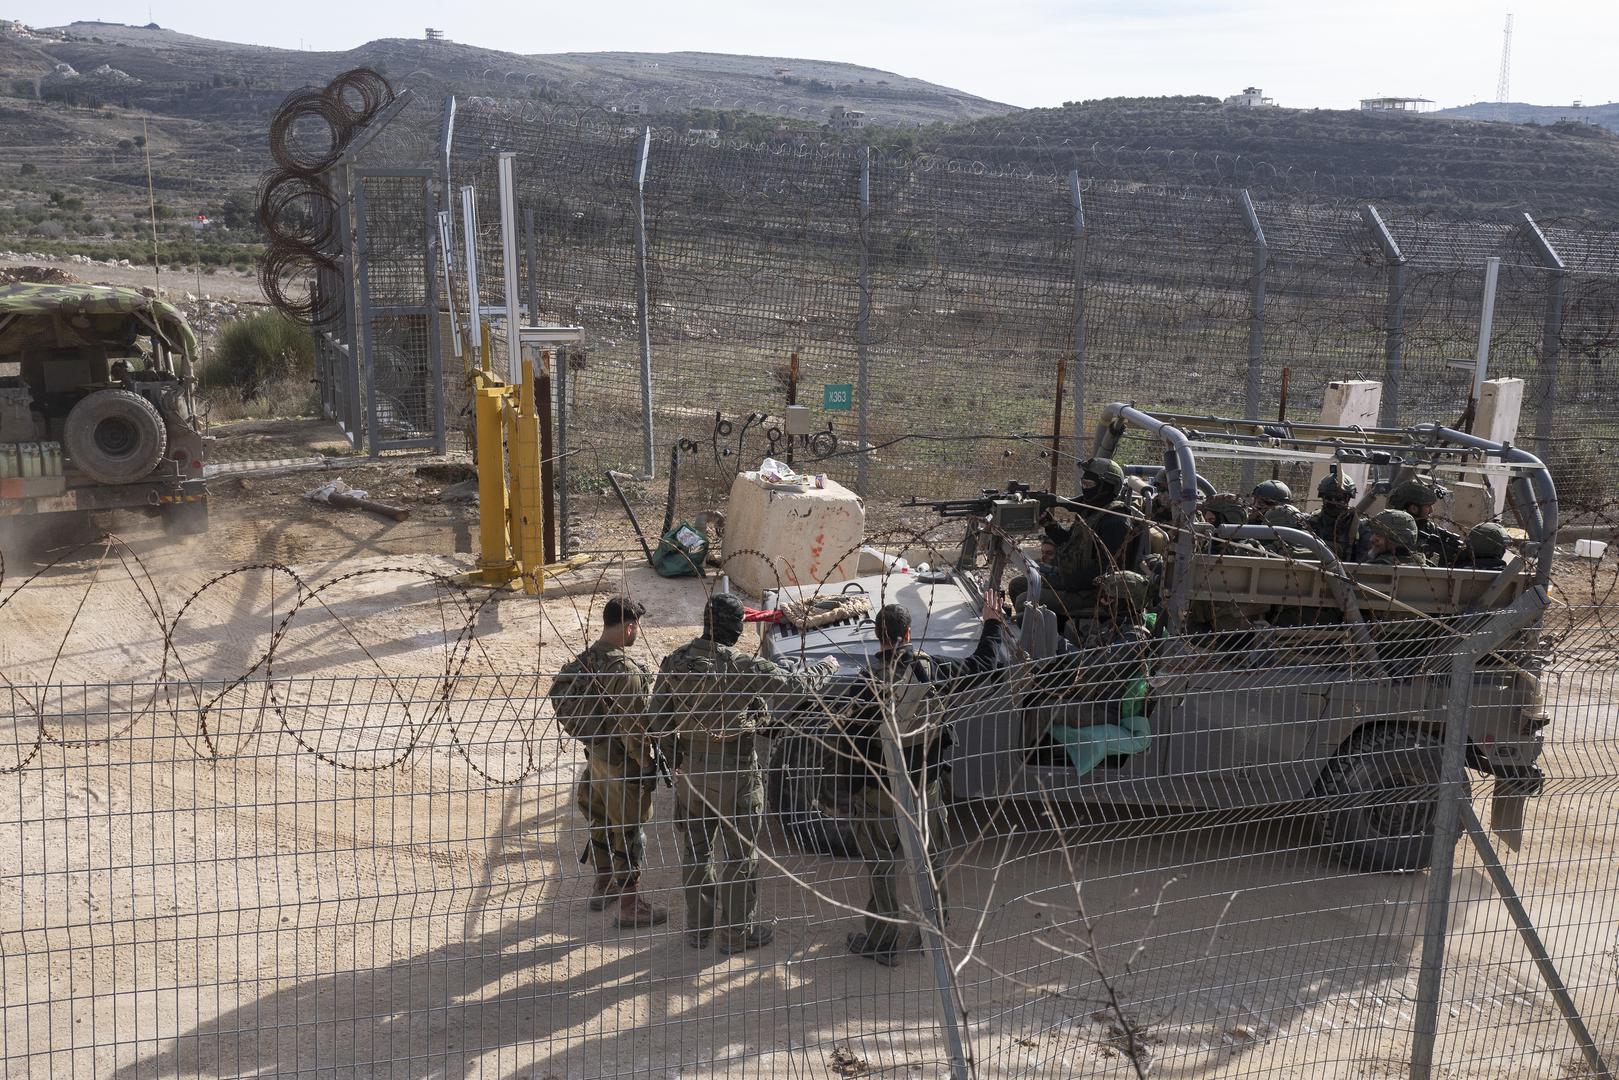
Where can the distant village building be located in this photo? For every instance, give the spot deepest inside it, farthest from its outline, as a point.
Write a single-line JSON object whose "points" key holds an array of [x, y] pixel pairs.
{"points": [[1396, 104], [435, 35], [1252, 97], [847, 119]]}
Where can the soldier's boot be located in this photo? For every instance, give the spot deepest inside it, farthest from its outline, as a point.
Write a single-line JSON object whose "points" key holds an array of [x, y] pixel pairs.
{"points": [[861, 944], [755, 937], [605, 890], [634, 913]]}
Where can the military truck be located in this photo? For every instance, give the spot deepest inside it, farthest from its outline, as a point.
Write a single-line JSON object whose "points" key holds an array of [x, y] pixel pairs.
{"points": [[1338, 709], [96, 409]]}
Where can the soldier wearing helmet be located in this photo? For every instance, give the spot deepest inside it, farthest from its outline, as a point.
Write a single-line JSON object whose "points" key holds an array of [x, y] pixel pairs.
{"points": [[1097, 542], [1287, 516], [1487, 546], [1417, 497], [1336, 522], [712, 698], [1266, 496], [1395, 539], [1226, 617]]}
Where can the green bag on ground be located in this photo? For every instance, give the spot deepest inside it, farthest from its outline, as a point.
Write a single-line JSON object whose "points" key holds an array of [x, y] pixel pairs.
{"points": [[680, 552]]}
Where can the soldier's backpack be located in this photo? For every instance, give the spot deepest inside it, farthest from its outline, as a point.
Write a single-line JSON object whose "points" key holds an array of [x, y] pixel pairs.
{"points": [[576, 699]]}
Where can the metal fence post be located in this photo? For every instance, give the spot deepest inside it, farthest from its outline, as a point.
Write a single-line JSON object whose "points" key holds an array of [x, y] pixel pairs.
{"points": [[1256, 321], [531, 256], [1393, 315], [1081, 237], [863, 327], [642, 312], [1482, 634], [912, 820], [1551, 341]]}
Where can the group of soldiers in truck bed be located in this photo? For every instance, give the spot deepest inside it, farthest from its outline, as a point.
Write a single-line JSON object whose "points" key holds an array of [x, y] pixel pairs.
{"points": [[1107, 534]]}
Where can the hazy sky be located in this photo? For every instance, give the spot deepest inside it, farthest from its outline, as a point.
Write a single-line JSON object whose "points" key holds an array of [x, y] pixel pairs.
{"points": [[1026, 52]]}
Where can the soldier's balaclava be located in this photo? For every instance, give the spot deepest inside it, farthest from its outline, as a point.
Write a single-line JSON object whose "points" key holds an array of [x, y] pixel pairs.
{"points": [[723, 619], [1108, 480]]}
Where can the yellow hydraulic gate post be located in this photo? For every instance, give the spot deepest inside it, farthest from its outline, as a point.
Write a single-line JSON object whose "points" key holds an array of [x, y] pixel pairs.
{"points": [[495, 565], [528, 504]]}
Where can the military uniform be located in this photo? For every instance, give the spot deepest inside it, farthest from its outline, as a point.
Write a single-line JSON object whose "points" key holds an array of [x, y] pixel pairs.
{"points": [[1097, 542], [1399, 529], [904, 679], [1225, 617], [713, 698], [1441, 546], [614, 792]]}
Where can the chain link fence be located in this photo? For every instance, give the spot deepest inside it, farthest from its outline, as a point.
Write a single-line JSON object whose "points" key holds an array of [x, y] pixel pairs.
{"points": [[924, 284], [329, 827]]}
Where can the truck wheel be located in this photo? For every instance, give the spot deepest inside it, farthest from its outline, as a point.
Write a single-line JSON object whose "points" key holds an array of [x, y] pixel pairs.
{"points": [[793, 785], [1379, 793], [115, 437]]}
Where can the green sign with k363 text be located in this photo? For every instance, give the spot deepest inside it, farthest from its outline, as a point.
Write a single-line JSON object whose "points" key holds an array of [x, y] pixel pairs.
{"points": [[838, 395]]}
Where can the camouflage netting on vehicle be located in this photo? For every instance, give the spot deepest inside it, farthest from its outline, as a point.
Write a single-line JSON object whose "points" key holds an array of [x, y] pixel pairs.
{"points": [[78, 315]]}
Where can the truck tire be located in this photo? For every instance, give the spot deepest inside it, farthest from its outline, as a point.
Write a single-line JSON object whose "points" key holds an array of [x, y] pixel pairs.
{"points": [[115, 437], [792, 786], [1379, 792]]}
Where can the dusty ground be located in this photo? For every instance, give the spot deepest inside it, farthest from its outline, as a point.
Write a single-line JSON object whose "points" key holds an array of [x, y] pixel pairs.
{"points": [[374, 872]]}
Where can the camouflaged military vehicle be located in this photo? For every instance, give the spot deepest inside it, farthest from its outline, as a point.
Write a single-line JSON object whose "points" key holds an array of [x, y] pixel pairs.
{"points": [[95, 408], [1331, 698]]}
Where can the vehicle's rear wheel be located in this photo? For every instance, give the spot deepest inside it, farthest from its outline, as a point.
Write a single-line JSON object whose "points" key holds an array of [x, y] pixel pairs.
{"points": [[115, 436], [1378, 793], [793, 785]]}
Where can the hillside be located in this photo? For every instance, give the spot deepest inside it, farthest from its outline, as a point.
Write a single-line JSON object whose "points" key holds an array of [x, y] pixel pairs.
{"points": [[1516, 112], [169, 72], [1465, 165]]}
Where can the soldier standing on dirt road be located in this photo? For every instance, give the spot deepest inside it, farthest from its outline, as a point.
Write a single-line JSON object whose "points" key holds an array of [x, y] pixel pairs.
{"points": [[712, 698], [603, 698], [904, 683]]}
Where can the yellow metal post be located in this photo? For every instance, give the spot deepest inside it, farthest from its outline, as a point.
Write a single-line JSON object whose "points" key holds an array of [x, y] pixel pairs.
{"points": [[495, 567], [528, 504]]}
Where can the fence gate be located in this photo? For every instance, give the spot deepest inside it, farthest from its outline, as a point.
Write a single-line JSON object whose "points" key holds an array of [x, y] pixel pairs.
{"points": [[397, 309]]}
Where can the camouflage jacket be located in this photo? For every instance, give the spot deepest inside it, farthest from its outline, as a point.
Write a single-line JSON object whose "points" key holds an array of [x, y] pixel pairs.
{"points": [[906, 680], [610, 693], [718, 691], [1096, 543], [1344, 533]]}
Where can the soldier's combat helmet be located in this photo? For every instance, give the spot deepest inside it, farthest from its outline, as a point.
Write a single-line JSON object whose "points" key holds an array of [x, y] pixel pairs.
{"points": [[1335, 487], [1419, 491], [1273, 491], [723, 617], [1396, 525], [1286, 516], [1226, 509], [1488, 540], [1123, 585], [1107, 473]]}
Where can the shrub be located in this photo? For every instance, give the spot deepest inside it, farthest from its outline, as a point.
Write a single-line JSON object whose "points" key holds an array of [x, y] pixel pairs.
{"points": [[257, 351]]}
